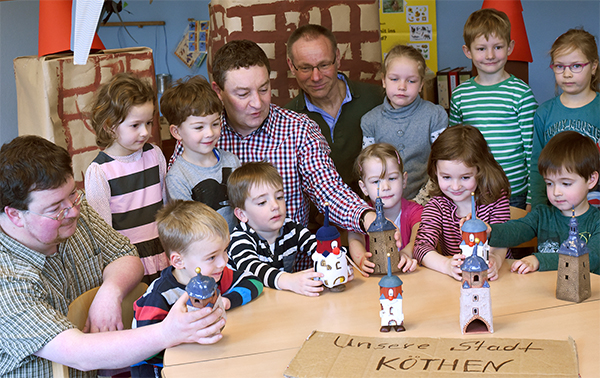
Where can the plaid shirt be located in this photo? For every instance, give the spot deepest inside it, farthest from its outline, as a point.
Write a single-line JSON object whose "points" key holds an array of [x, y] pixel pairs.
{"points": [[36, 290], [293, 143]]}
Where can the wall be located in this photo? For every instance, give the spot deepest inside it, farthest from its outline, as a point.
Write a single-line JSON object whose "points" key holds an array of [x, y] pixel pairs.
{"points": [[544, 19]]}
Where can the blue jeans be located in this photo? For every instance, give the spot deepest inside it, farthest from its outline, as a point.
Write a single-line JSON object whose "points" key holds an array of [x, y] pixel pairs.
{"points": [[519, 200]]}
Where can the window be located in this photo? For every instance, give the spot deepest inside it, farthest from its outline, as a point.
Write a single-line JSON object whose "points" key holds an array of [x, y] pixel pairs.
{"points": [[476, 278], [566, 276], [475, 311], [566, 264], [475, 298]]}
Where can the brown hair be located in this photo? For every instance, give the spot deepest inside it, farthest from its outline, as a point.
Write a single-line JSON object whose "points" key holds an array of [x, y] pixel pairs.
{"points": [[381, 151], [466, 144], [190, 96], [180, 223], [237, 54], [572, 151], [575, 39], [113, 102], [409, 52], [248, 175], [31, 163], [310, 32], [486, 22]]}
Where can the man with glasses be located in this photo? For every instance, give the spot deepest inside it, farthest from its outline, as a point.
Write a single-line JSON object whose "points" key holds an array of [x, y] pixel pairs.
{"points": [[53, 248], [328, 97]]}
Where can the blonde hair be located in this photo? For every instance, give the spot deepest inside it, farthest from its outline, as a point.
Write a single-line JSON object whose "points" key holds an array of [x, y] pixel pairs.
{"points": [[248, 175], [578, 39], [409, 52], [180, 223], [486, 22], [381, 151], [113, 102], [466, 144]]}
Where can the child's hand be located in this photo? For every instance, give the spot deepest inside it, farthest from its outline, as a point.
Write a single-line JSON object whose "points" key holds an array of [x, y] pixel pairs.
{"points": [[526, 265], [494, 266], [365, 265], [454, 264], [304, 282], [226, 303], [350, 273], [358, 254], [407, 263]]}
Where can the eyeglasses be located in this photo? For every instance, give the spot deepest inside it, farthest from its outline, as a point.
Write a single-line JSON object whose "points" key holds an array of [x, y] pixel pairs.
{"points": [[63, 213], [574, 68], [323, 67]]}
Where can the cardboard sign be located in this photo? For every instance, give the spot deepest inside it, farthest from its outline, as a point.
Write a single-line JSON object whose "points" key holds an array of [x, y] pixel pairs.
{"points": [[338, 355]]}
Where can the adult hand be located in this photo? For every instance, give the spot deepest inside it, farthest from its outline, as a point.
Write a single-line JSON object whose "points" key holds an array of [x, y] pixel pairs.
{"points": [[202, 326]]}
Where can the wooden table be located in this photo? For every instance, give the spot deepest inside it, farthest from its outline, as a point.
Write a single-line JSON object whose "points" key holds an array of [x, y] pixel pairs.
{"points": [[262, 337]]}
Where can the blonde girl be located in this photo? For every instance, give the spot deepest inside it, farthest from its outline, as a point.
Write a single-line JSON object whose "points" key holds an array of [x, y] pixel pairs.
{"points": [[460, 163], [405, 120], [125, 182], [574, 61], [382, 174]]}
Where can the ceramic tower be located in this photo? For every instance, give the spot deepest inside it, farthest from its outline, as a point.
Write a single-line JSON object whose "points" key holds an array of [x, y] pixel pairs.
{"points": [[573, 277], [475, 298], [390, 299], [381, 241], [474, 232]]}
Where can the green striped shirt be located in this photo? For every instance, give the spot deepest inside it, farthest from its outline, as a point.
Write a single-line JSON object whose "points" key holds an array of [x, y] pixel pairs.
{"points": [[503, 113]]}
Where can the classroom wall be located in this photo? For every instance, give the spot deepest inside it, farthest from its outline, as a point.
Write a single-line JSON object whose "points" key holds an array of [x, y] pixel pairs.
{"points": [[544, 19]]}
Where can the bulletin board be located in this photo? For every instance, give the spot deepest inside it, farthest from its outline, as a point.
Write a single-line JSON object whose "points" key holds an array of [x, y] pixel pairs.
{"points": [[410, 22]]}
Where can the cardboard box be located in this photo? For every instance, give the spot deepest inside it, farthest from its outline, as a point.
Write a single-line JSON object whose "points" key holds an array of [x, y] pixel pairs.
{"points": [[54, 95], [329, 355]]}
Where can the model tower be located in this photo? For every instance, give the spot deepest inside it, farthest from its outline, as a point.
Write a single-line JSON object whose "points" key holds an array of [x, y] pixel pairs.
{"points": [[203, 291], [474, 232], [475, 298], [330, 257], [573, 281], [390, 299], [381, 241]]}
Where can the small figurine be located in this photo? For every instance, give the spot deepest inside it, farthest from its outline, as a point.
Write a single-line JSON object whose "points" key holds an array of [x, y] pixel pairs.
{"points": [[475, 298], [381, 241], [390, 299], [474, 232], [203, 291], [330, 256], [573, 276]]}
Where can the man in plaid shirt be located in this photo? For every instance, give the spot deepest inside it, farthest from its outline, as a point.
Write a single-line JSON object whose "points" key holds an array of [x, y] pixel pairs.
{"points": [[256, 130], [53, 248]]}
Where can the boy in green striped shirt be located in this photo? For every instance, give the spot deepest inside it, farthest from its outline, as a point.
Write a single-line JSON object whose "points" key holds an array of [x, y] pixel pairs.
{"points": [[500, 105]]}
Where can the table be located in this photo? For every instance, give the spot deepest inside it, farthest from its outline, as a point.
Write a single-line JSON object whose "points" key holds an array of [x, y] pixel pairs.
{"points": [[262, 337]]}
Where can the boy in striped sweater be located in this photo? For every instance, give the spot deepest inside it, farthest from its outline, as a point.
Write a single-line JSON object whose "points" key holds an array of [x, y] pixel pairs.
{"points": [[500, 105]]}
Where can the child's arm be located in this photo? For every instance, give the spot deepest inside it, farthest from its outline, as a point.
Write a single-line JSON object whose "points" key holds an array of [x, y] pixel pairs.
{"points": [[238, 288], [447, 265], [304, 282], [497, 257], [536, 194], [358, 253], [97, 192], [243, 252], [407, 263], [526, 107], [455, 112]]}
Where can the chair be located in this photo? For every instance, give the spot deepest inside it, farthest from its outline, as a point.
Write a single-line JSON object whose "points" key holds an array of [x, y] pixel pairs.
{"points": [[528, 247], [78, 311]]}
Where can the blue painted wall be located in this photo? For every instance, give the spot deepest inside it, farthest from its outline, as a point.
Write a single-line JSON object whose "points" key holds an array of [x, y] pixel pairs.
{"points": [[544, 19]]}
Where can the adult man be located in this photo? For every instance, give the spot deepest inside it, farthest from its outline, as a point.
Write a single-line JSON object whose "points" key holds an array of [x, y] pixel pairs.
{"points": [[53, 248], [328, 97], [255, 130]]}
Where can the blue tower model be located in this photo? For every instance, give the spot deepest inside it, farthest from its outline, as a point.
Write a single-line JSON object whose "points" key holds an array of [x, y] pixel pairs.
{"points": [[573, 276], [381, 240], [475, 298], [203, 291], [390, 299], [474, 232]]}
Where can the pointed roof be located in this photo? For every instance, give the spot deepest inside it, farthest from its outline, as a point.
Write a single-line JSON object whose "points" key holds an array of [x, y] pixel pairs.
{"points": [[474, 263], [473, 225], [381, 223], [201, 287], [326, 231], [573, 246], [389, 280]]}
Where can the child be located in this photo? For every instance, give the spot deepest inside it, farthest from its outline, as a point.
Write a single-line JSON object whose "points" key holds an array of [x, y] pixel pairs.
{"points": [[193, 110], [382, 174], [405, 120], [570, 164], [266, 243], [194, 236], [577, 72], [460, 164], [497, 103], [125, 182]]}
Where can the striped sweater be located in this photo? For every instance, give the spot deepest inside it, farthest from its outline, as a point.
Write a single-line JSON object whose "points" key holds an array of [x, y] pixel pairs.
{"points": [[503, 113], [439, 225]]}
